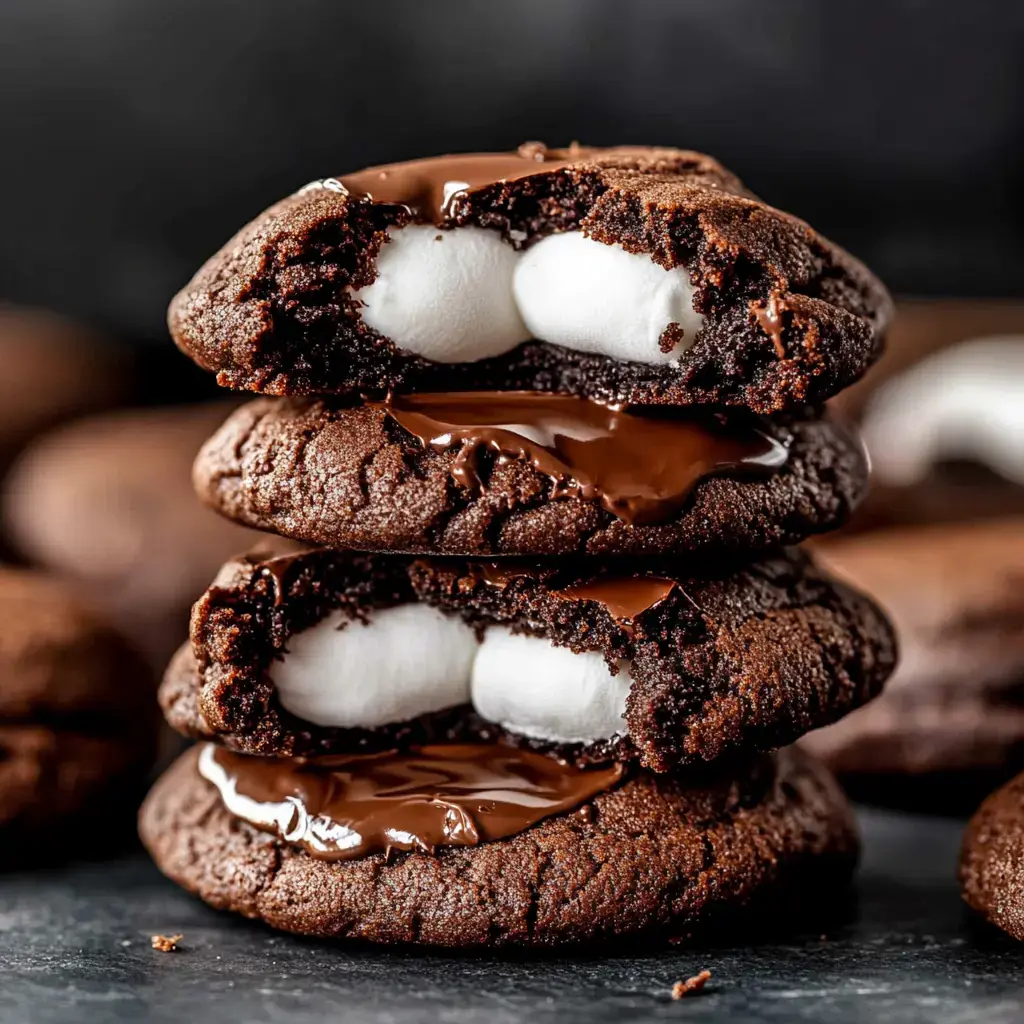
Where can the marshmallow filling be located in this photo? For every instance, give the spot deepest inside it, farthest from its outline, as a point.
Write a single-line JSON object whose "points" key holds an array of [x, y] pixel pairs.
{"points": [[412, 660], [463, 294]]}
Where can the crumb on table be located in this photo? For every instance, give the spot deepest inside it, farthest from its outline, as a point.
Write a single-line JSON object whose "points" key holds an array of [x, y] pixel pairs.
{"points": [[166, 943], [684, 988]]}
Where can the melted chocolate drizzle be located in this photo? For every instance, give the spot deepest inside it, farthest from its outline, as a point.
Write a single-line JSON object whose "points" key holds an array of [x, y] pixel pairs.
{"points": [[625, 597], [769, 319], [431, 189], [640, 464], [343, 808]]}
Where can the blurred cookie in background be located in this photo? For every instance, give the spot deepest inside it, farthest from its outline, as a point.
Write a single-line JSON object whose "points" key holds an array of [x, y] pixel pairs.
{"points": [[77, 723], [107, 502], [53, 369], [950, 723]]}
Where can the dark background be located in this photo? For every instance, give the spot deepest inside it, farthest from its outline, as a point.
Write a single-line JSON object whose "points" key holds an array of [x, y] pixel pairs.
{"points": [[139, 134]]}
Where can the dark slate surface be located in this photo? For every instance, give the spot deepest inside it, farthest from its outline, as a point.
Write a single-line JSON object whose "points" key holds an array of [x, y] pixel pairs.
{"points": [[75, 946]]}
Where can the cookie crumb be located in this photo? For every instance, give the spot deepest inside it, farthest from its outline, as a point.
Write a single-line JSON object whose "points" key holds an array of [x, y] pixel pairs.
{"points": [[166, 943], [681, 989]]}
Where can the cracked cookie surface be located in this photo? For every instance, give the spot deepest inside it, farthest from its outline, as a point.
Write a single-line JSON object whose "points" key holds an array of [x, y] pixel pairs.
{"points": [[350, 477]]}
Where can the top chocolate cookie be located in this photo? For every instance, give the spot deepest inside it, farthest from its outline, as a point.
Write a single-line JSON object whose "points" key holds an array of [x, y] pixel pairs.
{"points": [[630, 274]]}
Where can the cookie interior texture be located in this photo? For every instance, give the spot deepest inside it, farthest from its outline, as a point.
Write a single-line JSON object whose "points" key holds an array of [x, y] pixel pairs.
{"points": [[789, 318], [343, 476], [718, 666], [992, 859], [655, 856]]}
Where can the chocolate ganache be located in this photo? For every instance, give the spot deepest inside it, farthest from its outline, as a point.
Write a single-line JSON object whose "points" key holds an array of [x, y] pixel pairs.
{"points": [[640, 464], [431, 188], [346, 807]]}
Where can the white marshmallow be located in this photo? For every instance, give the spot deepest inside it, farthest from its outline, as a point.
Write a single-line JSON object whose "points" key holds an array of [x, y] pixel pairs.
{"points": [[403, 662], [445, 295], [965, 402], [529, 686], [591, 297]]}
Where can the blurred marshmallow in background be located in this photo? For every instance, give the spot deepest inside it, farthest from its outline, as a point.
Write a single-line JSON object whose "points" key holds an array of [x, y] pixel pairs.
{"points": [[965, 403], [941, 415]]}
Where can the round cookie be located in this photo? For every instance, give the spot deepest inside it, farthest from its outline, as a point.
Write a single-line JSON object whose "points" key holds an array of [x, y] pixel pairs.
{"points": [[77, 726], [656, 857], [361, 477], [587, 663], [992, 859], [950, 723], [733, 302], [107, 502], [52, 369]]}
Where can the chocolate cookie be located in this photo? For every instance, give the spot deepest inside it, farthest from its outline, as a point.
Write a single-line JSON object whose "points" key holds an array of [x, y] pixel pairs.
{"points": [[107, 502], [77, 728], [528, 474], [52, 369], [950, 724], [631, 274], [653, 856], [587, 663], [992, 859]]}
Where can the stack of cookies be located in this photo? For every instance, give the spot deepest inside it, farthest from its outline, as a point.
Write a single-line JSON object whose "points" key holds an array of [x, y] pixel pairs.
{"points": [[550, 419]]}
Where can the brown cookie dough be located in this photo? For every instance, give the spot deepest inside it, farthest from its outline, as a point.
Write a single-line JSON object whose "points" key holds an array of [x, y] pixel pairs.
{"points": [[656, 857], [751, 660], [107, 502], [789, 317], [355, 478], [950, 723]]}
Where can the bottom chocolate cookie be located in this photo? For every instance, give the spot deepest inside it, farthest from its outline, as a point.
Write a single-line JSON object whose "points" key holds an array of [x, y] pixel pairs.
{"points": [[619, 854], [992, 859]]}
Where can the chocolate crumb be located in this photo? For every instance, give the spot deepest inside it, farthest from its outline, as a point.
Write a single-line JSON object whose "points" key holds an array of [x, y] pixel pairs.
{"points": [[681, 989], [166, 943], [670, 337]]}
